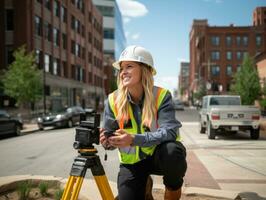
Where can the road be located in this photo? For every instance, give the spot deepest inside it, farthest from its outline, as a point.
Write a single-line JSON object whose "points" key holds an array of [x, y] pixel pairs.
{"points": [[228, 163]]}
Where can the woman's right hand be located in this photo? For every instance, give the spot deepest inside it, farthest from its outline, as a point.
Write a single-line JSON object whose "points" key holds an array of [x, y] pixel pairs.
{"points": [[104, 140]]}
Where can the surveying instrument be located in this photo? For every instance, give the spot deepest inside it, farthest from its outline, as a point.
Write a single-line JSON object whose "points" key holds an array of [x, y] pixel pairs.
{"points": [[87, 134]]}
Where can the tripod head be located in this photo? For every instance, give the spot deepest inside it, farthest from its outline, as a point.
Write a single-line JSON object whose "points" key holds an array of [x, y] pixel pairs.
{"points": [[87, 134]]}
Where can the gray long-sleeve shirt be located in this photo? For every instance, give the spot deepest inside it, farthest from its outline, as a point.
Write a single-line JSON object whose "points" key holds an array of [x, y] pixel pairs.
{"points": [[168, 128]]}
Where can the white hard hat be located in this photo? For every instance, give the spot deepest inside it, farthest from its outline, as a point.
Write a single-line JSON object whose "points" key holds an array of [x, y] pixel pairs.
{"points": [[137, 54]]}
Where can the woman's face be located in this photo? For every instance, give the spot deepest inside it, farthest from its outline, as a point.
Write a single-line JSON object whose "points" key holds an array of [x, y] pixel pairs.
{"points": [[130, 73]]}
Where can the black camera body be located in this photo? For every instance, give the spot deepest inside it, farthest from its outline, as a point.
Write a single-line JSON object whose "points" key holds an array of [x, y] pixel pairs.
{"points": [[87, 133], [108, 134]]}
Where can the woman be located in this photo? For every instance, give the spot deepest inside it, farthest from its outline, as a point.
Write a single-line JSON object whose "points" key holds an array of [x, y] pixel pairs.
{"points": [[139, 120]]}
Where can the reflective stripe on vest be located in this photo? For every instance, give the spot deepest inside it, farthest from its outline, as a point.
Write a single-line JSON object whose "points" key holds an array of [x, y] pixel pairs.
{"points": [[130, 155]]}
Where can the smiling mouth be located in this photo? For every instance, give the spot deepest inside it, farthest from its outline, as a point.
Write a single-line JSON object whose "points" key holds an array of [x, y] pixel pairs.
{"points": [[126, 78]]}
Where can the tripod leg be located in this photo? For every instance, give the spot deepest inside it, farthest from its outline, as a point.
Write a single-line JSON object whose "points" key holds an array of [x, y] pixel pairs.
{"points": [[77, 188], [104, 187], [69, 186]]}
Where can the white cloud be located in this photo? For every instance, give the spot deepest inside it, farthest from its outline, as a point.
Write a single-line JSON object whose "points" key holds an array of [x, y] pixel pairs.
{"points": [[167, 82], [126, 20], [131, 8], [135, 36], [127, 34]]}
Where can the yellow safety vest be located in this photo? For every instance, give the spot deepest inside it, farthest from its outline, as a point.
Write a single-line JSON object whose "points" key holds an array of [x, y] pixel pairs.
{"points": [[130, 155]]}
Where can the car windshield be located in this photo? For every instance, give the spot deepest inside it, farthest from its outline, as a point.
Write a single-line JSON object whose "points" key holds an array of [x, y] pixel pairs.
{"points": [[3, 113], [224, 101]]}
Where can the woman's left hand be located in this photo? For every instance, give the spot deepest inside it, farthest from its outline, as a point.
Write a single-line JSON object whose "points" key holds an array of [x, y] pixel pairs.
{"points": [[121, 138]]}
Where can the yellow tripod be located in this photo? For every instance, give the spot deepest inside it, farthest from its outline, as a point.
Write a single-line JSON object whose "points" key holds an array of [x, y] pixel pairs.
{"points": [[87, 159]]}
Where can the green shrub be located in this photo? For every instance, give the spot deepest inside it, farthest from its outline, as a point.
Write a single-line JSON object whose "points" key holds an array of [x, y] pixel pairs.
{"points": [[43, 187], [24, 189], [58, 194]]}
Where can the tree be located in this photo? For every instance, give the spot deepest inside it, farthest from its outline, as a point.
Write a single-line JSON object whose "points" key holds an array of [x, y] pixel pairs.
{"points": [[202, 91], [22, 80], [246, 82]]}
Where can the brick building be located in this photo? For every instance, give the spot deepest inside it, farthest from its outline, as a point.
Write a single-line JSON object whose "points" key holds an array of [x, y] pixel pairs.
{"points": [[217, 52], [67, 38], [183, 81]]}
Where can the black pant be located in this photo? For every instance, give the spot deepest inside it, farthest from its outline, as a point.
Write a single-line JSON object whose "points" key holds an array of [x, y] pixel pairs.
{"points": [[168, 160]]}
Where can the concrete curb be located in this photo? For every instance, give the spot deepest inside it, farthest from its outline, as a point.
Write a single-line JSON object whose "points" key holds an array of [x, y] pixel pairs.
{"points": [[90, 190]]}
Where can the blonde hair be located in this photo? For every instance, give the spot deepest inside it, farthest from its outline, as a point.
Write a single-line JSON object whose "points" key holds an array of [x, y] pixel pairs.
{"points": [[149, 109]]}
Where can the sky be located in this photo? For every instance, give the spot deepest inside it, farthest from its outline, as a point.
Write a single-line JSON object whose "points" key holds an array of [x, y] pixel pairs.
{"points": [[163, 26]]}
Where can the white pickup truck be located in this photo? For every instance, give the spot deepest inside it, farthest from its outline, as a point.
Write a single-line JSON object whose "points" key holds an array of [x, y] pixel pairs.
{"points": [[225, 113]]}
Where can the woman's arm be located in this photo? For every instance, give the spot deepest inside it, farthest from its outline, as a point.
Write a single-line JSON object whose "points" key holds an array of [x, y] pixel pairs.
{"points": [[168, 126]]}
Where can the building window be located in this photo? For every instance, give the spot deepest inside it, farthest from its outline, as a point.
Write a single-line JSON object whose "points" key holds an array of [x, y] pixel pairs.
{"points": [[238, 55], [90, 57], [56, 37], [228, 41], [73, 20], [77, 50], [72, 47], [63, 14], [229, 70], [215, 40], [245, 41], [46, 62], [9, 20], [65, 68], [64, 40], [215, 70], [229, 55], [9, 55], [215, 55], [47, 4], [90, 17], [38, 58], [77, 25], [244, 54], [258, 40], [108, 33], [238, 40], [55, 67], [106, 11], [38, 26], [56, 8], [90, 38], [47, 31]]}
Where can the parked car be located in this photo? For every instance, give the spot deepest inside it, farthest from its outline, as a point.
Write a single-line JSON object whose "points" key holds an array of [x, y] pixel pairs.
{"points": [[67, 117], [178, 105], [225, 113], [9, 125]]}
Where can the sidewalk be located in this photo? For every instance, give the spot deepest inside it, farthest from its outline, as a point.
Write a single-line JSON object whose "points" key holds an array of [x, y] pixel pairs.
{"points": [[29, 128]]}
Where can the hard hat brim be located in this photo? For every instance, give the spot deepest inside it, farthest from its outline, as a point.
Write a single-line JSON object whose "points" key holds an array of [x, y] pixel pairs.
{"points": [[117, 65]]}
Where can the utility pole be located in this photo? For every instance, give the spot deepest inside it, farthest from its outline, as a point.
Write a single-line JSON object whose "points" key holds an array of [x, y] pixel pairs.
{"points": [[207, 80], [208, 64]]}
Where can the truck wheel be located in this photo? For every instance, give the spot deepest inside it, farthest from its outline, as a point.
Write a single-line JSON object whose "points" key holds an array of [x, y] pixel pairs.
{"points": [[254, 133], [210, 131], [202, 129]]}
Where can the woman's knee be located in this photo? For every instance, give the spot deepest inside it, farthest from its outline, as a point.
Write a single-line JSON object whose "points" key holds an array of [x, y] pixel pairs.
{"points": [[173, 157]]}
